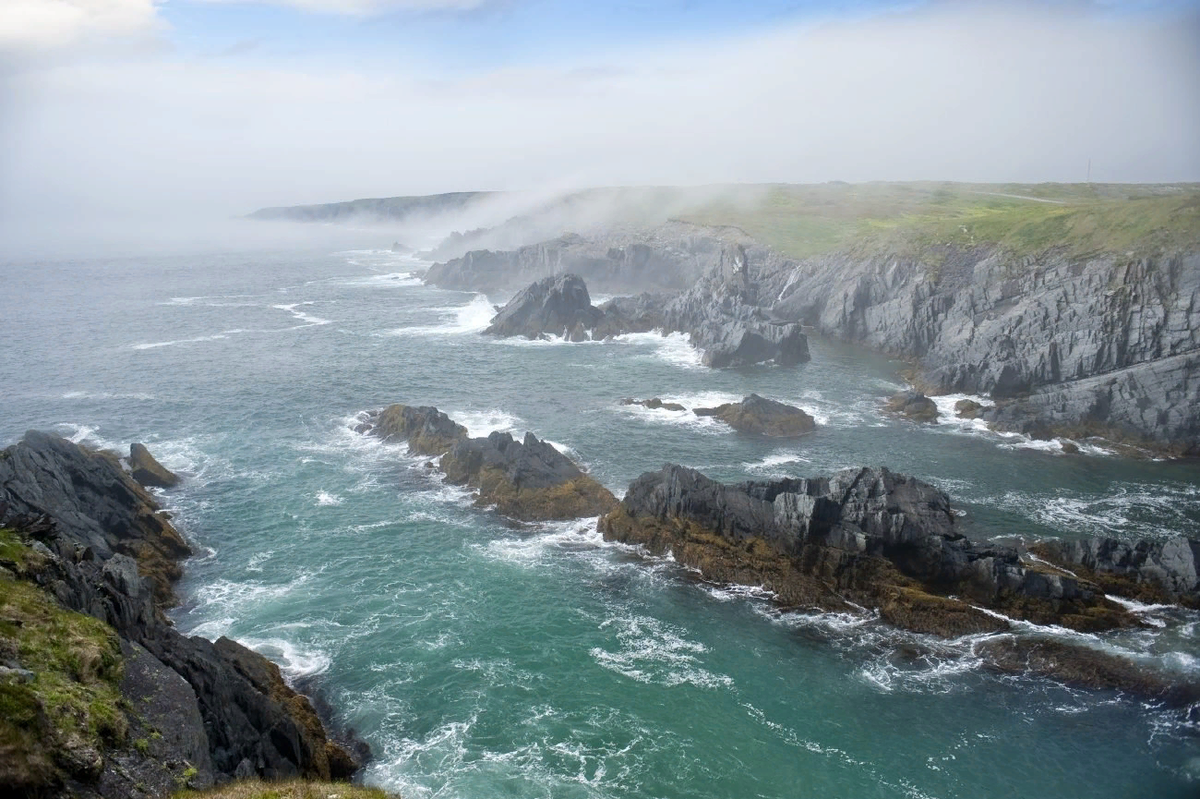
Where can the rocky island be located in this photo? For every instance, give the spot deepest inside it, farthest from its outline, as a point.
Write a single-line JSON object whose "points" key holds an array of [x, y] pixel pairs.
{"points": [[527, 480]]}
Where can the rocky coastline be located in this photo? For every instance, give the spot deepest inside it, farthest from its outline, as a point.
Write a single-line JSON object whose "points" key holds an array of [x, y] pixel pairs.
{"points": [[90, 556], [870, 539], [1065, 345]]}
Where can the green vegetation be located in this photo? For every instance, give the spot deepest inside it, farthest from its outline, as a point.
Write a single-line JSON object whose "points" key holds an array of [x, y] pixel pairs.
{"points": [[803, 221], [59, 703], [290, 789]]}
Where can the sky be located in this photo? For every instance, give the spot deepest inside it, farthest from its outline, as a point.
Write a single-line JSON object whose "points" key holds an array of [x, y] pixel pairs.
{"points": [[140, 109]]}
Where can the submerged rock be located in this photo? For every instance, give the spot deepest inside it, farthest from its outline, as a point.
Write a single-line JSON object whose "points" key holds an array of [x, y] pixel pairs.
{"points": [[528, 480], [863, 537], [148, 471], [554, 306], [761, 416], [914, 405], [654, 404]]}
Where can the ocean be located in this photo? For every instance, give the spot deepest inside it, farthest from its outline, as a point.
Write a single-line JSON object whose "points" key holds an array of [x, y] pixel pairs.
{"points": [[480, 658]]}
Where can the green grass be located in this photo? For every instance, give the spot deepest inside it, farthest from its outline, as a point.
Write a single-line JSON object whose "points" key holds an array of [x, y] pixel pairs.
{"points": [[1082, 219], [72, 703]]}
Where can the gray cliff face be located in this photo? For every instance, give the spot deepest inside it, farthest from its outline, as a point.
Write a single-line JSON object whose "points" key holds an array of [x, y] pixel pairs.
{"points": [[1109, 343]]}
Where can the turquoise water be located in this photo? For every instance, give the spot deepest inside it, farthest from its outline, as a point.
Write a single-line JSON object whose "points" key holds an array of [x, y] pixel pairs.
{"points": [[482, 659]]}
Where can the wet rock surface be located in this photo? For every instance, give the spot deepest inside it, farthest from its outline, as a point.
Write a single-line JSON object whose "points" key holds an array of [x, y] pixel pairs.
{"points": [[915, 406], [558, 306], [148, 471]]}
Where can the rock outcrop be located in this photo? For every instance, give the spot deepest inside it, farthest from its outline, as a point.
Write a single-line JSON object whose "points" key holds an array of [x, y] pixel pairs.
{"points": [[527, 480], [863, 537], [425, 429], [1158, 571], [146, 469], [102, 547], [967, 409], [914, 405], [554, 306], [760, 416]]}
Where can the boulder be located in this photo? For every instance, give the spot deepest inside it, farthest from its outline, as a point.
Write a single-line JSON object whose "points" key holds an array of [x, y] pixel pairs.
{"points": [[558, 305], [913, 405], [148, 471], [425, 429], [967, 409], [528, 480], [861, 538], [760, 416]]}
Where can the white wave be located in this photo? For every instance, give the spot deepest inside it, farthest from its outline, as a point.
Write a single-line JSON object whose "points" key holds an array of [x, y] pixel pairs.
{"points": [[458, 320], [686, 417], [87, 435], [1133, 509], [483, 423], [572, 537], [387, 280], [224, 334], [324, 498], [292, 661], [674, 348], [212, 301], [772, 462], [563, 448], [105, 395], [950, 422], [257, 560], [651, 651], [839, 413], [308, 319]]}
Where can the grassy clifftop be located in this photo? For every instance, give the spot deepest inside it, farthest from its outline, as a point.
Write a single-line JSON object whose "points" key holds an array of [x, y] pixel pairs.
{"points": [[60, 707], [806, 220]]}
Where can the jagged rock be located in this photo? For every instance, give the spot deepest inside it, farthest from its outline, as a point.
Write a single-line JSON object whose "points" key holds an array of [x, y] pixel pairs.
{"points": [[1070, 448], [148, 471], [528, 480], [1161, 570], [425, 429], [654, 404], [94, 502], [556, 306], [761, 416], [864, 537], [104, 550], [914, 405], [967, 409]]}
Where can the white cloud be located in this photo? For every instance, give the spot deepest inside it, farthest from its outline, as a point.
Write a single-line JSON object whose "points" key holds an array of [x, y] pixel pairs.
{"points": [[46, 24], [962, 94]]}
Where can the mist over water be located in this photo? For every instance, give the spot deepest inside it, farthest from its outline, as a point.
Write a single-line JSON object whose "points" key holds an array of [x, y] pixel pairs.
{"points": [[483, 659]]}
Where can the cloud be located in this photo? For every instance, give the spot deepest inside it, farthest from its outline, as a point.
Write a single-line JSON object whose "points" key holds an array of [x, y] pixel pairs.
{"points": [[47, 24], [982, 93]]}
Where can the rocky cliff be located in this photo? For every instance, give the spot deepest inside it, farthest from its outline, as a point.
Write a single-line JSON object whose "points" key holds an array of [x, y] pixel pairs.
{"points": [[1106, 344], [194, 712]]}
